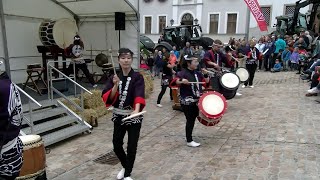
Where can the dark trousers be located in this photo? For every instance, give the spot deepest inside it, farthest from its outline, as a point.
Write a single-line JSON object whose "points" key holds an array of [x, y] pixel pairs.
{"points": [[252, 70], [260, 64], [127, 160], [191, 112], [273, 60], [84, 69], [7, 178], [267, 62], [314, 80], [163, 91]]}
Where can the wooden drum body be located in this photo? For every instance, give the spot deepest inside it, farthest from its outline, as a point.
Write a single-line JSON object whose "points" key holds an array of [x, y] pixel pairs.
{"points": [[60, 32], [175, 95], [34, 157]]}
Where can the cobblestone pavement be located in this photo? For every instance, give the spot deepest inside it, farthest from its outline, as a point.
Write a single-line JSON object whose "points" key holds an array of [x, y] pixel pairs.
{"points": [[270, 132]]}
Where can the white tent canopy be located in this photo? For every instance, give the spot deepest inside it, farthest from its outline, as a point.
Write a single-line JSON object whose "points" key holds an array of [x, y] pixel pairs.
{"points": [[98, 7], [96, 24]]}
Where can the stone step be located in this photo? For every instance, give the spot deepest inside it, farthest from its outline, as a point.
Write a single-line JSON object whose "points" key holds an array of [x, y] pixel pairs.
{"points": [[64, 134], [50, 125]]}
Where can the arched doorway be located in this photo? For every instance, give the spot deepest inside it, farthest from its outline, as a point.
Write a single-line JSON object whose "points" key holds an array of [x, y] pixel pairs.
{"points": [[187, 19]]}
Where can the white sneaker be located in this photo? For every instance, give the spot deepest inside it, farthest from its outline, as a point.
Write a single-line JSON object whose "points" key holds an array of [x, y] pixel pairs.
{"points": [[94, 86], [314, 90], [128, 178], [193, 144], [251, 86], [238, 94], [121, 174], [243, 86], [159, 105]]}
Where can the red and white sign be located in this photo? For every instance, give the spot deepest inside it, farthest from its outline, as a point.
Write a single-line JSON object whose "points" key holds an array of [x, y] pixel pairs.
{"points": [[257, 13]]}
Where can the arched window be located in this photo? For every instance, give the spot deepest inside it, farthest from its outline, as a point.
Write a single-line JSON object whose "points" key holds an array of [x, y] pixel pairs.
{"points": [[187, 19]]}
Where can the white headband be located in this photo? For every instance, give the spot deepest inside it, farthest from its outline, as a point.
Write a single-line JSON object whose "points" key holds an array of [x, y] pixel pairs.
{"points": [[76, 38]]}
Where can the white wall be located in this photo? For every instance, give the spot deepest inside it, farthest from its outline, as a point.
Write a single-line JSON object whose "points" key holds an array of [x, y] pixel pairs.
{"points": [[23, 32]]}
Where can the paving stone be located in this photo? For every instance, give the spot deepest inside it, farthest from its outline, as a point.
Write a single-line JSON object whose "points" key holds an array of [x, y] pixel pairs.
{"points": [[271, 132]]}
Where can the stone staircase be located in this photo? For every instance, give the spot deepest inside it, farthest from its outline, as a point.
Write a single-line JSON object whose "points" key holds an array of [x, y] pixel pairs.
{"points": [[54, 122]]}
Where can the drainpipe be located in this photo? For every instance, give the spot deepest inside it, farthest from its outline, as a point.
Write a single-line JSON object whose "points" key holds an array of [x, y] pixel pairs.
{"points": [[4, 39]]}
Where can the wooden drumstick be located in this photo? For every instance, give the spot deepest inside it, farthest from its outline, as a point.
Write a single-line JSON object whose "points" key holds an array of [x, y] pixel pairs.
{"points": [[134, 115], [114, 69], [196, 82]]}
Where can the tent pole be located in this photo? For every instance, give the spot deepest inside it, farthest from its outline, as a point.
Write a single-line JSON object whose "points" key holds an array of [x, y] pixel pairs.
{"points": [[119, 38], [5, 41]]}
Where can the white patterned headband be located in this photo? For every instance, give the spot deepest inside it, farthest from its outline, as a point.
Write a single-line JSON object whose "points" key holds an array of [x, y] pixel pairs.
{"points": [[76, 38]]}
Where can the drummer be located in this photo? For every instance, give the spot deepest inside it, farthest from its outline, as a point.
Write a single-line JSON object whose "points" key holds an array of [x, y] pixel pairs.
{"points": [[214, 59], [75, 50], [10, 124], [190, 93], [125, 92]]}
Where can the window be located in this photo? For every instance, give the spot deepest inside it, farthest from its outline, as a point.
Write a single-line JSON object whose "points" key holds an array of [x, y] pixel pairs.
{"points": [[266, 11], [232, 23], [289, 9], [162, 23], [214, 24], [147, 25]]}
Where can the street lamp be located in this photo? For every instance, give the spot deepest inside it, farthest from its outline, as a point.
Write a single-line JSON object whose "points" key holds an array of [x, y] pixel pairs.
{"points": [[196, 21], [171, 22]]}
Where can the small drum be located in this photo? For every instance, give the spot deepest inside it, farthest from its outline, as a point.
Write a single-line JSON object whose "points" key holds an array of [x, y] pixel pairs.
{"points": [[243, 74], [229, 85], [212, 106], [60, 32], [34, 158]]}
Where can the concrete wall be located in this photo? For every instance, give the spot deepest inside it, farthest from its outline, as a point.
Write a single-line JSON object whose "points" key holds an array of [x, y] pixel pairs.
{"points": [[23, 32]]}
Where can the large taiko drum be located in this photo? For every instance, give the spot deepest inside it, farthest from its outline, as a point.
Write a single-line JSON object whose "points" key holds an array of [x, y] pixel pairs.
{"points": [[212, 106], [243, 74], [60, 32], [229, 85], [34, 158]]}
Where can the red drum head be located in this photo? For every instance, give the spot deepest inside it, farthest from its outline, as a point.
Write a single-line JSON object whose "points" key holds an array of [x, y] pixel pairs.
{"points": [[212, 105]]}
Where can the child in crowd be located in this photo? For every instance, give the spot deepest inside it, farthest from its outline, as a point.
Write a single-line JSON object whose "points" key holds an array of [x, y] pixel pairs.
{"points": [[286, 58], [277, 66], [294, 59]]}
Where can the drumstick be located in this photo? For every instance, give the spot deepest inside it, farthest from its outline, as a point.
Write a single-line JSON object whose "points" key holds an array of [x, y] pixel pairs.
{"points": [[134, 115], [196, 82], [235, 59], [114, 69]]}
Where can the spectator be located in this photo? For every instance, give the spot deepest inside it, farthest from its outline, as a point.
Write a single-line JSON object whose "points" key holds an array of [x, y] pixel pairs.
{"points": [[277, 66], [305, 38], [269, 49], [160, 39], [294, 58], [301, 43], [286, 58], [150, 63], [309, 39], [158, 64], [177, 53], [187, 50]]}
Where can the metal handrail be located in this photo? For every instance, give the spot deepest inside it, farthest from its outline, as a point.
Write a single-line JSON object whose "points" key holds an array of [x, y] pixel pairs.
{"points": [[69, 78], [28, 120], [28, 96], [51, 89]]}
